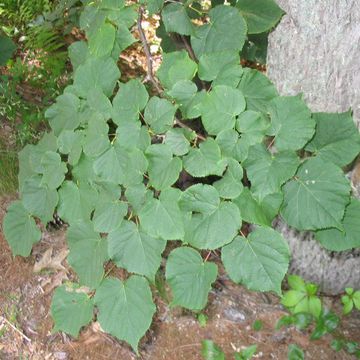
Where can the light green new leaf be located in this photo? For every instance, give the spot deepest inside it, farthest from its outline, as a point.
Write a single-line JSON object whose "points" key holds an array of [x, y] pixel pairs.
{"points": [[130, 99], [336, 240], [176, 19], [267, 172], [101, 41], [190, 278], [220, 107], [213, 230], [159, 114], [71, 310], [292, 124], [132, 135], [176, 139], [200, 198], [336, 138], [164, 169], [257, 89], [260, 15], [210, 351], [259, 261], [255, 212], [206, 160], [230, 186], [162, 217], [20, 229], [226, 30], [109, 215], [76, 202], [64, 114], [96, 73], [125, 308], [133, 249], [316, 197], [88, 253], [38, 199], [176, 66], [54, 170], [70, 143]]}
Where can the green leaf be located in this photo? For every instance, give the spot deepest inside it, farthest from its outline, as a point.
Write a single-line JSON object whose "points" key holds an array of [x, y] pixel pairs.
{"points": [[96, 138], [176, 139], [213, 230], [206, 160], [26, 169], [226, 30], [356, 299], [316, 197], [176, 19], [252, 125], [247, 353], [190, 278], [109, 215], [159, 114], [260, 15], [7, 48], [154, 6], [20, 229], [130, 99], [101, 41], [123, 39], [231, 144], [257, 89], [164, 169], [267, 172], [136, 251], [263, 257], [71, 310], [38, 199], [54, 170], [96, 73], [176, 66], [220, 107], [76, 202], [162, 217], [336, 138], [88, 252], [210, 351], [78, 53], [296, 283], [200, 198], [292, 124], [230, 186], [136, 195], [132, 135], [99, 103], [295, 353], [292, 298], [70, 143], [348, 238], [255, 48], [125, 308], [64, 114]]}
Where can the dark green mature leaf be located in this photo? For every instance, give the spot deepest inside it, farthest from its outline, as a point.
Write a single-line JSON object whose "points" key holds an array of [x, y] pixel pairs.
{"points": [[226, 30], [164, 169], [336, 138], [88, 253], [162, 217], [125, 308], [130, 99], [210, 351], [206, 160], [71, 310], [153, 6], [292, 124], [20, 229], [189, 277], [258, 90], [38, 199], [7, 48], [260, 15], [267, 172], [316, 197], [259, 261], [176, 66], [220, 107], [336, 240], [176, 19], [133, 249], [159, 114], [255, 48], [64, 114]]}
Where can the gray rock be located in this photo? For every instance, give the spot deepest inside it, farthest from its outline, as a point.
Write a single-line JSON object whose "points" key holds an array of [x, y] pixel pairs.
{"points": [[315, 50]]}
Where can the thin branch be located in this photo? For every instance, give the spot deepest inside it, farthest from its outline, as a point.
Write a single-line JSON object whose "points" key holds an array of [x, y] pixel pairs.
{"points": [[188, 48], [182, 125], [2, 318]]}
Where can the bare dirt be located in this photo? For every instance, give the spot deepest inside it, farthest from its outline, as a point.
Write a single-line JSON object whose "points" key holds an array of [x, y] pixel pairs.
{"points": [[25, 299]]}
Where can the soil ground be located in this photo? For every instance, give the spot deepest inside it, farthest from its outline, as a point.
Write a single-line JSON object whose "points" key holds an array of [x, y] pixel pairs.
{"points": [[25, 298]]}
